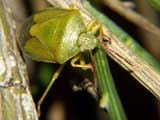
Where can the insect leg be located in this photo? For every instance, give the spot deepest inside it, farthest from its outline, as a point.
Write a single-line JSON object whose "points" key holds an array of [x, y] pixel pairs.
{"points": [[94, 26], [82, 63], [105, 34], [94, 69], [55, 76]]}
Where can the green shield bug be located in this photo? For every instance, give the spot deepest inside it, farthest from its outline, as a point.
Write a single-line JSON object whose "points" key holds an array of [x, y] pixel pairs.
{"points": [[56, 35]]}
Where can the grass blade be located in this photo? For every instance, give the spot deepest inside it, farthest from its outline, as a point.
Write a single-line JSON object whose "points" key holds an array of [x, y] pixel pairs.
{"points": [[110, 100]]}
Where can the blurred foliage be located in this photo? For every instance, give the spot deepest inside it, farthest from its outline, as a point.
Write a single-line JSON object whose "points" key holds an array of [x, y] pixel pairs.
{"points": [[154, 3]]}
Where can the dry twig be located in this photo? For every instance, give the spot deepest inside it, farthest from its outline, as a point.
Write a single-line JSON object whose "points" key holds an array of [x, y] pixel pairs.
{"points": [[132, 16]]}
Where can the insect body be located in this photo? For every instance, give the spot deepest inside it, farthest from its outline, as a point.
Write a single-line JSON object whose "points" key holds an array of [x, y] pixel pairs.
{"points": [[56, 35]]}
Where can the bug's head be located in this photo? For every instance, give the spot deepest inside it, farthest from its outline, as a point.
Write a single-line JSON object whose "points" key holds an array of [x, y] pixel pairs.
{"points": [[87, 41]]}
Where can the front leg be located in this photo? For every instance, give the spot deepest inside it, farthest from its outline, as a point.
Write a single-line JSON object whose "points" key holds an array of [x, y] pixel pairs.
{"points": [[81, 64], [97, 28]]}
